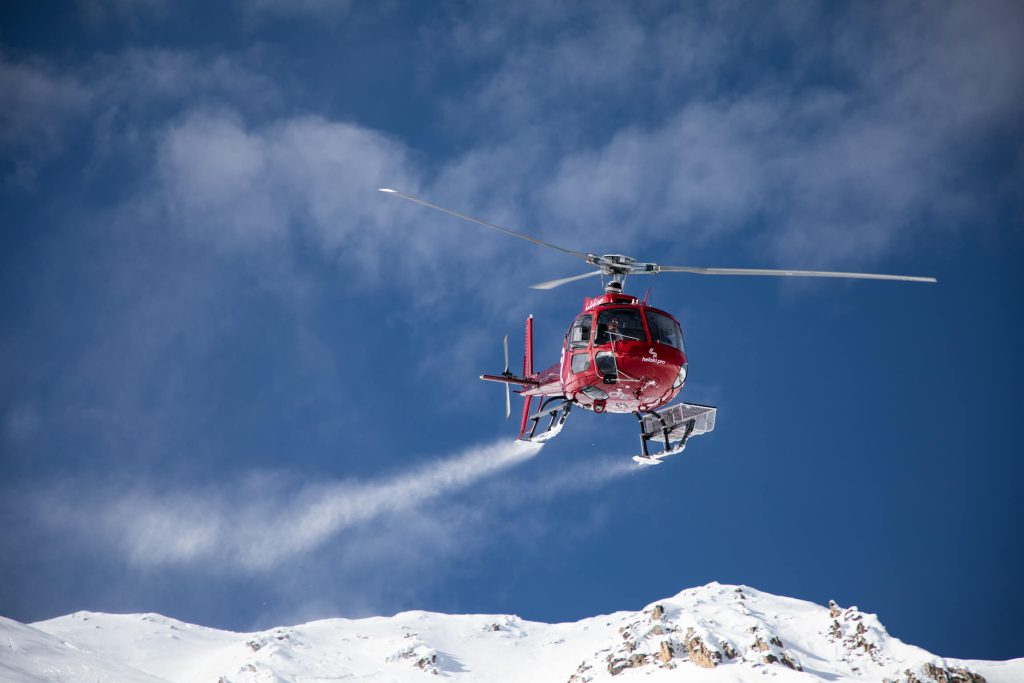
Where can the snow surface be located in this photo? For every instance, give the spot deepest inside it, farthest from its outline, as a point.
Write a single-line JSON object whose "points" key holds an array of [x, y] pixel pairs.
{"points": [[745, 634]]}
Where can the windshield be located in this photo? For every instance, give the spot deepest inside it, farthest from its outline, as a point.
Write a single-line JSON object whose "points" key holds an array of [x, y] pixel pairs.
{"points": [[664, 330], [619, 324]]}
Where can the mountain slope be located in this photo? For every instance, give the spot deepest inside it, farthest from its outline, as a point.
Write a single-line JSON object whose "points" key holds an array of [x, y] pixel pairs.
{"points": [[29, 654], [711, 633]]}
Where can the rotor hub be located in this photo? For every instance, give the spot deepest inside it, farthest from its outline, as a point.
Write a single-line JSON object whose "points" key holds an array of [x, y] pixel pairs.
{"points": [[616, 267]]}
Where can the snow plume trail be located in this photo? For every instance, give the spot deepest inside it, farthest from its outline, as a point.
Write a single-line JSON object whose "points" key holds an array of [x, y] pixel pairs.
{"points": [[266, 527], [588, 474]]}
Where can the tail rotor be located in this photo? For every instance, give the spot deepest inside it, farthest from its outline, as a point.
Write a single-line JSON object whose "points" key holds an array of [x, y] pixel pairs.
{"points": [[508, 390]]}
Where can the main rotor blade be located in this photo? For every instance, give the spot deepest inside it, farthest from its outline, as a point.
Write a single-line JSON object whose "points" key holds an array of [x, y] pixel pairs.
{"points": [[484, 223], [797, 273], [551, 284]]}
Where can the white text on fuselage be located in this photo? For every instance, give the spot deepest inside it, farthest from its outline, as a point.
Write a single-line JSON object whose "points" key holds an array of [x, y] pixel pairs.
{"points": [[653, 358]]}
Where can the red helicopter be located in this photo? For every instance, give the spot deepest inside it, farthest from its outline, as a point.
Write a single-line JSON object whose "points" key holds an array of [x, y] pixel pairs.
{"points": [[620, 355]]}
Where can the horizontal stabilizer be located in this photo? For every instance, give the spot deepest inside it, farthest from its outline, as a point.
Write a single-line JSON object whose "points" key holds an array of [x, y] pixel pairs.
{"points": [[511, 379]]}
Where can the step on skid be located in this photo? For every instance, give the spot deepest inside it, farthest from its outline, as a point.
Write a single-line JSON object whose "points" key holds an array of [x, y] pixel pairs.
{"points": [[672, 427]]}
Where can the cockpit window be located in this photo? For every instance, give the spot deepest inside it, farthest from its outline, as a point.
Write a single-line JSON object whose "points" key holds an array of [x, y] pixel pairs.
{"points": [[579, 333], [619, 324], [664, 330]]}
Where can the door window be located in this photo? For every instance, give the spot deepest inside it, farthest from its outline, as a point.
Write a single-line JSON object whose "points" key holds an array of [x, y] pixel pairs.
{"points": [[579, 333], [580, 362]]}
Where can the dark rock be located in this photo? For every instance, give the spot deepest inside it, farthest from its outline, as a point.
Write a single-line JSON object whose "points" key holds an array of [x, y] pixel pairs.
{"points": [[788, 660], [616, 666], [426, 663], [637, 660], [836, 631]]}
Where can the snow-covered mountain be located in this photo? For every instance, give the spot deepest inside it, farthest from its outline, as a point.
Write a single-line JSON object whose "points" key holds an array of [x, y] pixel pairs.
{"points": [[711, 633]]}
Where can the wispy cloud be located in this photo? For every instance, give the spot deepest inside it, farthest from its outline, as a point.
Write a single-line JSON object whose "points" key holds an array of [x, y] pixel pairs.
{"points": [[37, 105], [846, 142]]}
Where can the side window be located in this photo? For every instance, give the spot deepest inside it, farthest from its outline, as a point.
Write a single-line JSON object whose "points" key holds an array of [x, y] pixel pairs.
{"points": [[664, 330], [581, 362], [579, 333]]}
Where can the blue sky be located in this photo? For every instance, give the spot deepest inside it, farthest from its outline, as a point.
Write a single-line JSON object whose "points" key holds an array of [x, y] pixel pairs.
{"points": [[238, 386]]}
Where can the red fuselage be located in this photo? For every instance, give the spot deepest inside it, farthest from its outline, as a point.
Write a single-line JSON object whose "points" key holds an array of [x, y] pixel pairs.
{"points": [[620, 355]]}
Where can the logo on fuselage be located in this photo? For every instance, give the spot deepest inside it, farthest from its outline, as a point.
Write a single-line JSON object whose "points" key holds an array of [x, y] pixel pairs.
{"points": [[653, 358]]}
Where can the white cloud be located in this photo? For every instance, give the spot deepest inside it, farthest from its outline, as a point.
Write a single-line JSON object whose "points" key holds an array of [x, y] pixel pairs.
{"points": [[845, 141], [37, 105], [838, 171], [243, 187], [215, 175], [114, 99], [697, 176]]}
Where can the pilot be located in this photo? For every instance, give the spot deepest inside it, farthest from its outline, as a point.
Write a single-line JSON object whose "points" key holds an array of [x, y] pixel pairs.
{"points": [[609, 331]]}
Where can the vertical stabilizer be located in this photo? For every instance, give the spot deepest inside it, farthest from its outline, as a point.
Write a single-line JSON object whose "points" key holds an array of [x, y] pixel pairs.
{"points": [[527, 371], [528, 355]]}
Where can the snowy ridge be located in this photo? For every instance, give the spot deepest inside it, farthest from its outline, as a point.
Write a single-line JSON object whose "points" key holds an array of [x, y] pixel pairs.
{"points": [[711, 633]]}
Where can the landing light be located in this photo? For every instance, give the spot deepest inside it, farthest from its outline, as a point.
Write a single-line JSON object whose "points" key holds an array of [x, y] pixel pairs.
{"points": [[681, 378]]}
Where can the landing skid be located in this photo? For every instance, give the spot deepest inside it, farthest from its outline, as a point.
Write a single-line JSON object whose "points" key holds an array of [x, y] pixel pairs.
{"points": [[672, 427], [556, 409]]}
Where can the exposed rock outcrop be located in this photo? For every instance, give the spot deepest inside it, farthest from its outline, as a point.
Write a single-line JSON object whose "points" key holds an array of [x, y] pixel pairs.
{"points": [[699, 652], [930, 672], [420, 656]]}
